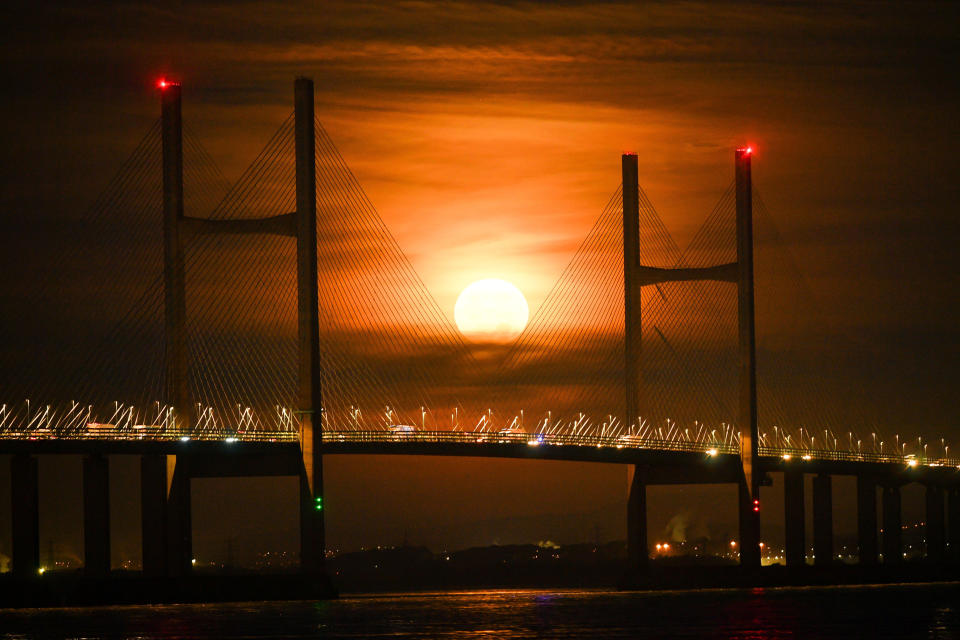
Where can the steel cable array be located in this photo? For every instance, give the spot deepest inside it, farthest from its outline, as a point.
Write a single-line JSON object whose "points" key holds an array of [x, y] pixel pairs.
{"points": [[392, 361]]}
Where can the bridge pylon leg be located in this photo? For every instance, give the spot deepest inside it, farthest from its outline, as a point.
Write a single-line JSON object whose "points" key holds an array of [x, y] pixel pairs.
{"points": [[153, 515], [750, 487], [175, 333], [892, 532], [953, 524], [936, 524], [632, 325], [309, 397], [25, 520], [793, 518], [638, 550], [96, 515], [867, 519], [822, 520], [749, 527]]}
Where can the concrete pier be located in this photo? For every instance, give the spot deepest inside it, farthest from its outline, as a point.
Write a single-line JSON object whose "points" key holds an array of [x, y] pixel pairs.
{"points": [[179, 536], [637, 542], [936, 524], [822, 520], [793, 518], [867, 519], [25, 519], [96, 515], [892, 530], [953, 524], [153, 514]]}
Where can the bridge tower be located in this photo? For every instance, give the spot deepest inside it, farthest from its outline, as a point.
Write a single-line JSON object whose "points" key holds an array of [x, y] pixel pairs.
{"points": [[166, 482], [635, 276]]}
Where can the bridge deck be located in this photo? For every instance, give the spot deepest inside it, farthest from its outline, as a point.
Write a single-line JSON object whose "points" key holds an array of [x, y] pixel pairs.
{"points": [[692, 462]]}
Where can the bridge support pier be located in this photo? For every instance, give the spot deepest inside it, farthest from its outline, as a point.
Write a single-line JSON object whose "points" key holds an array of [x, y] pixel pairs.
{"points": [[793, 518], [892, 531], [936, 524], [25, 520], [953, 524], [179, 536], [153, 514], [638, 550], [822, 520], [96, 515], [749, 528], [867, 519]]}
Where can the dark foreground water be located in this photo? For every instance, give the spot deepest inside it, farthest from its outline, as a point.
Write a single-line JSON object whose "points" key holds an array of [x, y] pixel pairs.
{"points": [[893, 611]]}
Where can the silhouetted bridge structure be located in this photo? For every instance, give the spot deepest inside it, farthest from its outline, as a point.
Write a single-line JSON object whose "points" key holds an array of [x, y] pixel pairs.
{"points": [[180, 438]]}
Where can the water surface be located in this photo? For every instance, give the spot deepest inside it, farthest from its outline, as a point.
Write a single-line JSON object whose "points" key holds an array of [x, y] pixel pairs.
{"points": [[892, 611]]}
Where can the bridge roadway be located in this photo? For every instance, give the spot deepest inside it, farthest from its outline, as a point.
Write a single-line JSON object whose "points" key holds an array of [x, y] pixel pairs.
{"points": [[667, 461]]}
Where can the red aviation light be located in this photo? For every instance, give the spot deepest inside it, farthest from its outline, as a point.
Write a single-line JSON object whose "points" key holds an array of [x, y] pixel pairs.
{"points": [[162, 83], [745, 151], [756, 506]]}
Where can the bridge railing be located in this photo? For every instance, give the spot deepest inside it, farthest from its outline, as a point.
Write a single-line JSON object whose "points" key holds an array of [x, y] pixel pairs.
{"points": [[158, 435], [529, 439], [794, 453]]}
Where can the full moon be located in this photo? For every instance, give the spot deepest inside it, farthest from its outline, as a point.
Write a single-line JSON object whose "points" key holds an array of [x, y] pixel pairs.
{"points": [[491, 310]]}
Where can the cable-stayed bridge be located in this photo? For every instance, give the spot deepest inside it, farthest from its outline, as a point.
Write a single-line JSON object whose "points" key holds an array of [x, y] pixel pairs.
{"points": [[249, 329]]}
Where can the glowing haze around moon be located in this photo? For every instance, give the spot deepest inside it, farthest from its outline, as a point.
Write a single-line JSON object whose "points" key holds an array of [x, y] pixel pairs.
{"points": [[491, 310]]}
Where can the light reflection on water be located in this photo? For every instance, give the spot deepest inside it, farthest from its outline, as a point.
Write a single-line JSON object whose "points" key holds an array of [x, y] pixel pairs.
{"points": [[897, 611]]}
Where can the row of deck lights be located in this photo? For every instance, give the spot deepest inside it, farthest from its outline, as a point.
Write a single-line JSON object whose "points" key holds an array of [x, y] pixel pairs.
{"points": [[612, 429]]}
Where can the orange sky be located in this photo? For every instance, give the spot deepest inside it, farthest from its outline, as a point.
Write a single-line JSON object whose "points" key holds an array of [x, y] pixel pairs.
{"points": [[488, 135]]}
